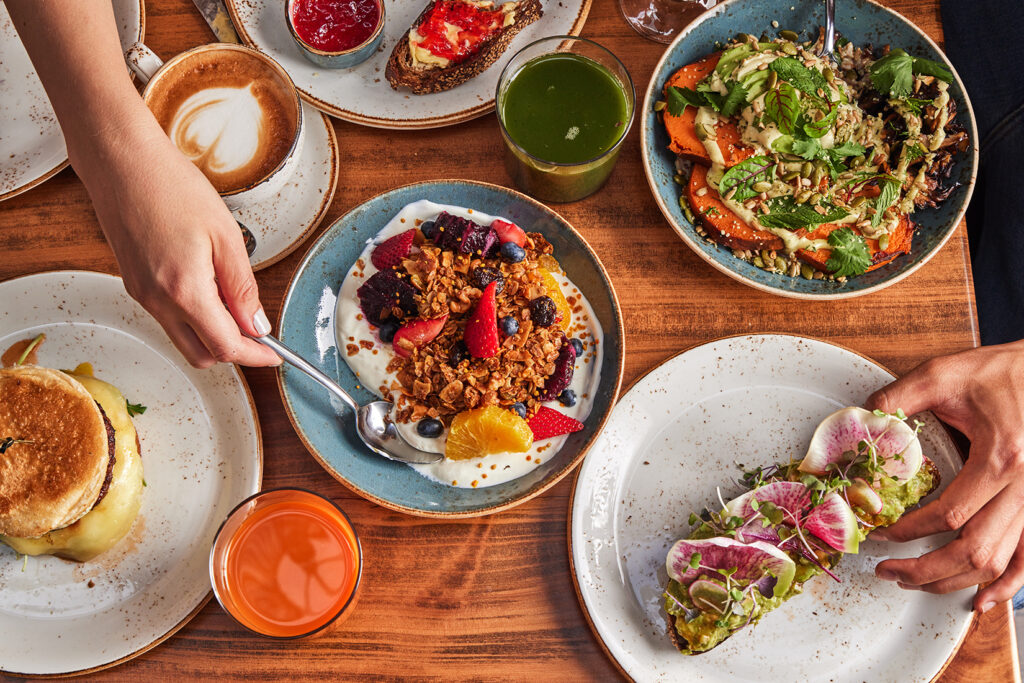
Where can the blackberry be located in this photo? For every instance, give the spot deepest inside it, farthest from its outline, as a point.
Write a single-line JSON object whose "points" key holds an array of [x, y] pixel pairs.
{"points": [[484, 275], [508, 325], [430, 428], [543, 311]]}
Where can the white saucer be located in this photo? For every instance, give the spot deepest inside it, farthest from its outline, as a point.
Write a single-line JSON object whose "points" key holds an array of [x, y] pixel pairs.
{"points": [[32, 146], [676, 436], [202, 455], [362, 94], [281, 224]]}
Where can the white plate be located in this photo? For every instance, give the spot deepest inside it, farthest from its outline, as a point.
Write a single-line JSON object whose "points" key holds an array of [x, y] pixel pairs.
{"points": [[676, 436], [282, 223], [202, 455], [31, 145], [362, 94]]}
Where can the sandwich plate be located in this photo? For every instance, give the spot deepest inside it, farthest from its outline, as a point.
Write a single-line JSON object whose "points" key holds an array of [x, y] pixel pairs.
{"points": [[202, 455], [674, 438], [361, 94], [32, 148]]}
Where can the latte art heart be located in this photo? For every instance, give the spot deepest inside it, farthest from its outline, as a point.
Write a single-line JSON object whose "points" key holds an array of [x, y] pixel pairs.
{"points": [[220, 129]]}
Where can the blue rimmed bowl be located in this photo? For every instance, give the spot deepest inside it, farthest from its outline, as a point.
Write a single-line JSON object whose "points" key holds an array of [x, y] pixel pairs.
{"points": [[861, 21], [307, 325]]}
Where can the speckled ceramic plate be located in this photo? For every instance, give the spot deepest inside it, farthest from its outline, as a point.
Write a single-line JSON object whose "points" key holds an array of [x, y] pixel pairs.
{"points": [[307, 326], [202, 455], [675, 436], [281, 224], [362, 94], [863, 22], [31, 143]]}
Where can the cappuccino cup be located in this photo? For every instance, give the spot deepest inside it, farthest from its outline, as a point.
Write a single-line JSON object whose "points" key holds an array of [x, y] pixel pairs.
{"points": [[233, 111]]}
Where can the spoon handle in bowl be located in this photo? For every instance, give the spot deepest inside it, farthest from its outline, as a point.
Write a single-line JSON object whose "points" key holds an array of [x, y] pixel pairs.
{"points": [[306, 367]]}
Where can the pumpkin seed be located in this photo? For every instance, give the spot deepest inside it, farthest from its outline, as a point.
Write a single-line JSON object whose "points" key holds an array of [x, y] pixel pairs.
{"points": [[701, 131], [762, 186], [758, 262], [793, 165], [858, 201], [857, 161], [773, 79], [829, 75], [687, 211], [788, 48], [816, 197], [789, 35], [806, 169], [817, 176], [780, 264], [806, 271], [802, 196], [883, 242], [659, 105], [792, 175], [680, 180]]}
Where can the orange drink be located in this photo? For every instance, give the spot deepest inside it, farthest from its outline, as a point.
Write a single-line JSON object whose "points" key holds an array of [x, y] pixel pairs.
{"points": [[286, 563]]}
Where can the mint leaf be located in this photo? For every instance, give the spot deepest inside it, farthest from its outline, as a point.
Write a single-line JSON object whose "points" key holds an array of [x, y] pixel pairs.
{"points": [[799, 76], [784, 212], [134, 408], [782, 106], [744, 175], [850, 255], [736, 98], [890, 192]]}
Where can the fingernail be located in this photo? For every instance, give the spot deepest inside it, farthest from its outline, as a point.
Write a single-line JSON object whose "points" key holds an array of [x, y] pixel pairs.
{"points": [[907, 586], [260, 322], [986, 607], [885, 575]]}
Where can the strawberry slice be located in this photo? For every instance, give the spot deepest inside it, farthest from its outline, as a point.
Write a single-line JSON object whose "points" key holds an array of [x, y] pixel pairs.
{"points": [[417, 333], [509, 232], [548, 423], [481, 335], [390, 252]]}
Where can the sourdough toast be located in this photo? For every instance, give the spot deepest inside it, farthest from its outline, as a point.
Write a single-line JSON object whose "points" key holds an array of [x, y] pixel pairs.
{"points": [[424, 79]]}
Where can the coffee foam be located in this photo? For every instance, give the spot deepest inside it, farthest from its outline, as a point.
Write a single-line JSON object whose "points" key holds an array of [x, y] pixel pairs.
{"points": [[230, 113]]}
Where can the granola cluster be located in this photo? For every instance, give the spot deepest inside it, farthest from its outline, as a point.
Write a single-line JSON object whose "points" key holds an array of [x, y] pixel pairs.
{"points": [[440, 379]]}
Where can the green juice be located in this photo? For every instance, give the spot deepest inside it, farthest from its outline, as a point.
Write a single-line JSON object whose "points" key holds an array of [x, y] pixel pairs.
{"points": [[564, 115], [564, 108]]}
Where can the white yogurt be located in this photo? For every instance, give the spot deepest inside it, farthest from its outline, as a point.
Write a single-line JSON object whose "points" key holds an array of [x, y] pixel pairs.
{"points": [[370, 364]]}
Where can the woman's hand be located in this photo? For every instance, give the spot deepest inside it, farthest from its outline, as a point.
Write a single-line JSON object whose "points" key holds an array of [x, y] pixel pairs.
{"points": [[981, 393]]}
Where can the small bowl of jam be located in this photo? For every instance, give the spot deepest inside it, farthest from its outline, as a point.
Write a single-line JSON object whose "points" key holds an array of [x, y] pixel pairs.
{"points": [[336, 34]]}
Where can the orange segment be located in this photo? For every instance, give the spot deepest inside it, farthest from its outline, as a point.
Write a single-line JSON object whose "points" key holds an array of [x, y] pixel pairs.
{"points": [[555, 292], [485, 431]]}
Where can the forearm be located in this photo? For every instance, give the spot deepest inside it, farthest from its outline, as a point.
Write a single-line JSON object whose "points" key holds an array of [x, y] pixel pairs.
{"points": [[76, 51]]}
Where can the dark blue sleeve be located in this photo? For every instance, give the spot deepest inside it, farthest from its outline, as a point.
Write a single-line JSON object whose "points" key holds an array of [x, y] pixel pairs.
{"points": [[983, 39]]}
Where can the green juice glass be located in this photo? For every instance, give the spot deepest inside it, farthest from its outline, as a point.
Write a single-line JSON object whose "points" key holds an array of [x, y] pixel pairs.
{"points": [[564, 106]]}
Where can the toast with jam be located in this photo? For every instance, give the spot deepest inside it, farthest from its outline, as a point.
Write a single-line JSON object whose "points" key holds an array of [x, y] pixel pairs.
{"points": [[454, 40]]}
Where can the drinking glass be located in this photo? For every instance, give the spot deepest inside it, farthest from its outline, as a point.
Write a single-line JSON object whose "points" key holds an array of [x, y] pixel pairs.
{"points": [[661, 20]]}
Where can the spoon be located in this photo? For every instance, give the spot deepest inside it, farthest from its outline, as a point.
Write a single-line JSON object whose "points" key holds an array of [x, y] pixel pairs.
{"points": [[828, 43], [373, 423]]}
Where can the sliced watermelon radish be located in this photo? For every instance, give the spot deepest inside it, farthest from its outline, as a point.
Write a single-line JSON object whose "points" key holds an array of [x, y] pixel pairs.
{"points": [[790, 496], [840, 433], [834, 523], [709, 596], [751, 561], [860, 494]]}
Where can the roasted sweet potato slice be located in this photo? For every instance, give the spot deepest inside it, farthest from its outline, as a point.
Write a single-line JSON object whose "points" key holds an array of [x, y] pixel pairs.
{"points": [[684, 141], [899, 243], [724, 226]]}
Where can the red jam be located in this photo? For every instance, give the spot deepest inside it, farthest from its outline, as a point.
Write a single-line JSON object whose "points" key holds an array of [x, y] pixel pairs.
{"points": [[474, 23], [335, 25]]}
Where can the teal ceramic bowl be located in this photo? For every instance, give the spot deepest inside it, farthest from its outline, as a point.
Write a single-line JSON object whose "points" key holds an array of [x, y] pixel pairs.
{"points": [[864, 23], [307, 325]]}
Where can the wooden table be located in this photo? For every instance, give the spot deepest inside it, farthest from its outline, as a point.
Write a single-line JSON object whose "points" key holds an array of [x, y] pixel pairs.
{"points": [[492, 598]]}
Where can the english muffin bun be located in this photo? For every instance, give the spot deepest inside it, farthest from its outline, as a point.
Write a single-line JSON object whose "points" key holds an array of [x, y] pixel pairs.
{"points": [[53, 474]]}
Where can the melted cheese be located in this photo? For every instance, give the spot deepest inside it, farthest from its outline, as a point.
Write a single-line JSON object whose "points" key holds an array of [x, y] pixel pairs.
{"points": [[107, 523]]}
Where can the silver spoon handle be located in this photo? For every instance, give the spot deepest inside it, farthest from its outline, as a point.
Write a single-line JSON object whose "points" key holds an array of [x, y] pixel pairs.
{"points": [[829, 45], [308, 368]]}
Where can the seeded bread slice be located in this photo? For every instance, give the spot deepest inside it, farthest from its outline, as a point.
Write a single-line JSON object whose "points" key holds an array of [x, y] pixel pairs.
{"points": [[423, 80]]}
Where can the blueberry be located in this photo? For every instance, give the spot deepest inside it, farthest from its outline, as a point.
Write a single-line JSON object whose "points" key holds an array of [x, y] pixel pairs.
{"points": [[387, 330], [509, 325], [543, 311], [519, 409], [430, 428], [577, 346], [457, 353], [512, 252], [567, 398], [429, 229]]}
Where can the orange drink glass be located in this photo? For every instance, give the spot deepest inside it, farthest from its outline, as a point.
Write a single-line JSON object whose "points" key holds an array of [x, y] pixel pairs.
{"points": [[286, 563]]}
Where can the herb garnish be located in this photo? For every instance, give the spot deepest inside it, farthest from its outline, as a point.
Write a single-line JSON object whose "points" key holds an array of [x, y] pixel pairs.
{"points": [[28, 349], [782, 105], [680, 98], [134, 408], [784, 212], [743, 176], [850, 254], [887, 196], [893, 74], [799, 76], [10, 441]]}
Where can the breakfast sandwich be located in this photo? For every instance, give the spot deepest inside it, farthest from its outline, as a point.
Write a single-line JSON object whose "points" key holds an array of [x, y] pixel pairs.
{"points": [[70, 465]]}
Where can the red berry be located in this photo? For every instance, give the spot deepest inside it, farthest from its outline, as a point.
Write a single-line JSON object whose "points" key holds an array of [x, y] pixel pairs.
{"points": [[481, 335], [390, 253], [509, 232], [416, 334], [548, 423]]}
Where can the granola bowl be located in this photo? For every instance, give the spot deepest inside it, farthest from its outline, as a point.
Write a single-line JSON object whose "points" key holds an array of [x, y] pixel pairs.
{"points": [[326, 318], [863, 23]]}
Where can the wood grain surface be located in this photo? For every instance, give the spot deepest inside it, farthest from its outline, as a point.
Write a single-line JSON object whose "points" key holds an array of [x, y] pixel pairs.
{"points": [[492, 598]]}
